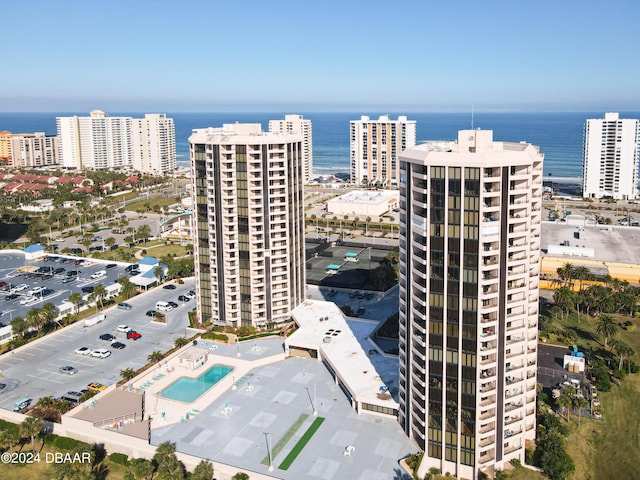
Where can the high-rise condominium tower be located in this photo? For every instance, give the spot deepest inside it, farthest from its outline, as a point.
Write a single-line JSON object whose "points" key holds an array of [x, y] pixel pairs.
{"points": [[469, 270], [297, 124], [101, 142], [375, 146], [249, 224], [610, 163], [154, 144]]}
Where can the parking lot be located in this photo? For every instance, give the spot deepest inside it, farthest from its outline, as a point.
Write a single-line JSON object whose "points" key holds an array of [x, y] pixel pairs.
{"points": [[33, 371], [72, 275]]}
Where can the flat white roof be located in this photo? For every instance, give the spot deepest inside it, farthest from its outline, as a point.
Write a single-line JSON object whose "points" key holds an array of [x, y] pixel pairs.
{"points": [[375, 197], [340, 348]]}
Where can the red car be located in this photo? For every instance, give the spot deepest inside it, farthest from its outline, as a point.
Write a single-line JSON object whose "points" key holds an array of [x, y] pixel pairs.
{"points": [[133, 335]]}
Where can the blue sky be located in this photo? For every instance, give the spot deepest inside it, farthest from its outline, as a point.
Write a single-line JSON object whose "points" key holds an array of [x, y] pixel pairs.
{"points": [[253, 55]]}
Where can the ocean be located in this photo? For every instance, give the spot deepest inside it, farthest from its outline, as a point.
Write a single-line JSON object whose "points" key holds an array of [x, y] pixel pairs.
{"points": [[559, 135]]}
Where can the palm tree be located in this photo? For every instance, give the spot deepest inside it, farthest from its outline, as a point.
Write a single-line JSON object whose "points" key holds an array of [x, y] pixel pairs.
{"points": [[140, 469], [8, 438], [582, 273], [155, 356], [607, 327], [180, 342], [76, 299], [143, 232], [563, 297], [129, 290], [127, 374], [99, 292], [110, 242], [578, 403], [565, 400], [624, 351], [158, 272], [34, 318], [566, 273], [30, 427], [49, 312], [203, 471], [18, 326]]}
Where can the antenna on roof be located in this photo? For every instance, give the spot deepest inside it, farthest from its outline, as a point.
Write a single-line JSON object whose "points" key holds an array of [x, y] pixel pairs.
{"points": [[472, 117]]}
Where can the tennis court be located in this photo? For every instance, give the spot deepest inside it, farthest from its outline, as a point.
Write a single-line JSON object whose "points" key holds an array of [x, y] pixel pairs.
{"points": [[343, 266]]}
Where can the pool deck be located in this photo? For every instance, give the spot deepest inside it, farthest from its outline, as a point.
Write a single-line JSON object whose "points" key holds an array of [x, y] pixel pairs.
{"points": [[165, 411]]}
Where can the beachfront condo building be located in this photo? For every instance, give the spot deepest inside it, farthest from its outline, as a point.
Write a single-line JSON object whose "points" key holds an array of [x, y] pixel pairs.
{"points": [[610, 161], [101, 142], [33, 150], [470, 215], [249, 224], [297, 124], [375, 147], [154, 144]]}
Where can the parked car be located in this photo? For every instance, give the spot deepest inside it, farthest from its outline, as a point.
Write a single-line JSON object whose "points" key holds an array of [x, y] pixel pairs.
{"points": [[183, 298], [133, 335], [123, 328], [11, 296], [169, 286], [28, 300], [125, 306], [87, 289], [111, 265], [151, 313], [173, 304], [82, 351], [69, 370], [107, 337], [118, 345], [101, 353], [96, 387], [22, 404]]}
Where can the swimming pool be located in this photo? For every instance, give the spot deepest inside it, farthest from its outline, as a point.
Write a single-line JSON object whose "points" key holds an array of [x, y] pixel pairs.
{"points": [[190, 389]]}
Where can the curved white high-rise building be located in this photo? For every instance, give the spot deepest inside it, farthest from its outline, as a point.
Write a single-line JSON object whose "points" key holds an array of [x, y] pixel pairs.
{"points": [[469, 272]]}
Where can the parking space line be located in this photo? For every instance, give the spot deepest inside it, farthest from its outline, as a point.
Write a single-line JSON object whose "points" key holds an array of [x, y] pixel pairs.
{"points": [[48, 379]]}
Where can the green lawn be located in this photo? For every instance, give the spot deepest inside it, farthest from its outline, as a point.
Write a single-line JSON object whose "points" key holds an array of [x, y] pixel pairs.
{"points": [[298, 447], [154, 203], [609, 449]]}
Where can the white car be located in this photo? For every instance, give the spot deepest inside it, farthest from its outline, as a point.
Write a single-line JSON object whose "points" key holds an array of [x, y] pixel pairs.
{"points": [[35, 291], [99, 274], [20, 288], [82, 351], [124, 328], [28, 300], [101, 353]]}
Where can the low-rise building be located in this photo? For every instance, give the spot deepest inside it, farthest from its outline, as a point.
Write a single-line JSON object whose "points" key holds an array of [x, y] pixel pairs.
{"points": [[370, 203]]}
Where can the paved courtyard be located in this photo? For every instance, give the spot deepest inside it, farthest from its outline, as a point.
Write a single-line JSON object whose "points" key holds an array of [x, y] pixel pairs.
{"points": [[275, 403]]}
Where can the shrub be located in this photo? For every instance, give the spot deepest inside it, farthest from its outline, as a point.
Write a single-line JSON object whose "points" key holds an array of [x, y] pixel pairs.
{"points": [[119, 458], [65, 443], [215, 336]]}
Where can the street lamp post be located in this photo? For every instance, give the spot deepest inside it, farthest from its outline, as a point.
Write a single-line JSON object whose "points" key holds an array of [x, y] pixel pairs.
{"points": [[268, 434]]}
